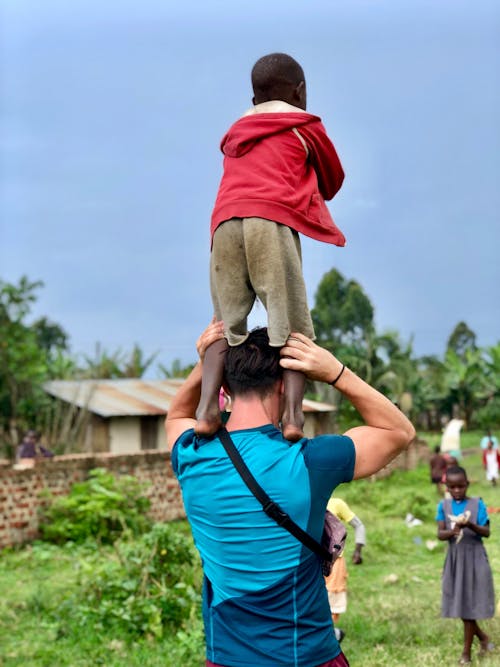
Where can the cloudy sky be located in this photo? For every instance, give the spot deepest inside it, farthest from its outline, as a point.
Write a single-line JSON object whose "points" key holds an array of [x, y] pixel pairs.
{"points": [[111, 116]]}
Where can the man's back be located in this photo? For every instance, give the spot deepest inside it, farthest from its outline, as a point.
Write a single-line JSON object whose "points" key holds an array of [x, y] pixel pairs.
{"points": [[263, 592]]}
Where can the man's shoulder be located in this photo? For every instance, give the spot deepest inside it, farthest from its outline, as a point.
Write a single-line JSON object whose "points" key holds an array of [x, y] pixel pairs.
{"points": [[330, 452]]}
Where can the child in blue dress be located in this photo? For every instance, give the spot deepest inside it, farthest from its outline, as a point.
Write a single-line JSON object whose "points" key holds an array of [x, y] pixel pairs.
{"points": [[467, 582]]}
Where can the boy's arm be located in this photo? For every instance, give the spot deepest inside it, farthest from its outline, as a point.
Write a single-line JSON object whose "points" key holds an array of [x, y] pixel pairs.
{"points": [[324, 159], [386, 432], [182, 411]]}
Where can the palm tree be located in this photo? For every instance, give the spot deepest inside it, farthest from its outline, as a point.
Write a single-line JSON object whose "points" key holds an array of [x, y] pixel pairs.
{"points": [[466, 380], [136, 365]]}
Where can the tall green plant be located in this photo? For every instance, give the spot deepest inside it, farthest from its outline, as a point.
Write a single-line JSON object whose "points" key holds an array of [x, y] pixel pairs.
{"points": [[23, 362], [148, 585], [104, 507]]}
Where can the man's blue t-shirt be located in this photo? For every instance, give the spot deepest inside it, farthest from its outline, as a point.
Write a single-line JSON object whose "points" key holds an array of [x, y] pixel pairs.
{"points": [[264, 598]]}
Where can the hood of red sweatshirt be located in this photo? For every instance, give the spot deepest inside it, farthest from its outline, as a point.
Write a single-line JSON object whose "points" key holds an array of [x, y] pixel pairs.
{"points": [[248, 130]]}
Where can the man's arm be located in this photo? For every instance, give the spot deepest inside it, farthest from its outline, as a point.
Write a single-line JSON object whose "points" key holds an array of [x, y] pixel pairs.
{"points": [[181, 415], [386, 432]]}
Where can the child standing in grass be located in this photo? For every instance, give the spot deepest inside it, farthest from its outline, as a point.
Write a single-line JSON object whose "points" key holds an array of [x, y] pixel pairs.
{"points": [[336, 582], [467, 582]]}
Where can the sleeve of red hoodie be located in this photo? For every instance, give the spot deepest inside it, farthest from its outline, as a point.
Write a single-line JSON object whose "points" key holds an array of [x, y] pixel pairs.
{"points": [[324, 159]]}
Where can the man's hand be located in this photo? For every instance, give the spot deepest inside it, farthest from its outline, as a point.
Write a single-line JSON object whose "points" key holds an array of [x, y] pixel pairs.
{"points": [[181, 414], [301, 354], [386, 431]]}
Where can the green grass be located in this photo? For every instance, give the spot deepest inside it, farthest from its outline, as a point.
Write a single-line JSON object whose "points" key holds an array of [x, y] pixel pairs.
{"points": [[389, 624]]}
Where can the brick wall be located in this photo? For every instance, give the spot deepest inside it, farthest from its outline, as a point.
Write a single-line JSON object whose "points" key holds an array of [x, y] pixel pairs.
{"points": [[416, 453], [20, 489]]}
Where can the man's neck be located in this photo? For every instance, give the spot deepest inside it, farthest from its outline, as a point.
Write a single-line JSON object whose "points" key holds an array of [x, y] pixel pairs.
{"points": [[252, 412]]}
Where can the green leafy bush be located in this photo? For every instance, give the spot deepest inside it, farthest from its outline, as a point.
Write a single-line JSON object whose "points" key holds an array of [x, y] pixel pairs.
{"points": [[139, 589], [104, 507]]}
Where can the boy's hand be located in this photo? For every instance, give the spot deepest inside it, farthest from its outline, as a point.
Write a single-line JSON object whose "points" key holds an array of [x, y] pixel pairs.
{"points": [[214, 331]]}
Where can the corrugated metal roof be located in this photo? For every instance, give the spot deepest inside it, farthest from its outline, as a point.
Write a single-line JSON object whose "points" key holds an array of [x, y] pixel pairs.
{"points": [[131, 397], [117, 398]]}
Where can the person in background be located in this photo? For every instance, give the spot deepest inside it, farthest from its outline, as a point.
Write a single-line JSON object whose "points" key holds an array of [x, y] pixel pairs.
{"points": [[437, 466], [30, 447], [486, 439], [491, 463], [343, 512], [336, 582], [451, 462], [467, 582]]}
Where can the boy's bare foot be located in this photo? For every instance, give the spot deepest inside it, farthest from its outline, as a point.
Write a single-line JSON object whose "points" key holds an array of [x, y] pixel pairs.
{"points": [[292, 432], [207, 427]]}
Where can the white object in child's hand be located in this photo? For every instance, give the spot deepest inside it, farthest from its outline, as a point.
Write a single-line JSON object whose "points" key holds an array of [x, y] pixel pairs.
{"points": [[459, 520]]}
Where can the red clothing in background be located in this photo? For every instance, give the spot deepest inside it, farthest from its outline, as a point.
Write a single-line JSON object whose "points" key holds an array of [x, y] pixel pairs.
{"points": [[484, 457]]}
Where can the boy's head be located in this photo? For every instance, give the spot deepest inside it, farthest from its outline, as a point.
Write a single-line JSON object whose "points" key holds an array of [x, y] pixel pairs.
{"points": [[278, 76], [252, 367]]}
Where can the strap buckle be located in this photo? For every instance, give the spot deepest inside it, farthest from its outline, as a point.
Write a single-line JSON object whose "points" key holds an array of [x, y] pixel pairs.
{"points": [[275, 512]]}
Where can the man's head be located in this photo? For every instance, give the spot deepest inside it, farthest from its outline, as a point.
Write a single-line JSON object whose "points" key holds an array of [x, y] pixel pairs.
{"points": [[252, 367], [278, 76]]}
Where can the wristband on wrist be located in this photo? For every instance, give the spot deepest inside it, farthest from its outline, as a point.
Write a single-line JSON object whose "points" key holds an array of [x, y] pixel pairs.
{"points": [[334, 382]]}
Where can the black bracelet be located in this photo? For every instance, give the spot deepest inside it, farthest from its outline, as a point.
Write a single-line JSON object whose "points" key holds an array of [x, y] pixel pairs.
{"points": [[334, 382]]}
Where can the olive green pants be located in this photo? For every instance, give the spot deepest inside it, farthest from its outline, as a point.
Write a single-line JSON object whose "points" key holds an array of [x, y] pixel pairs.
{"points": [[256, 258]]}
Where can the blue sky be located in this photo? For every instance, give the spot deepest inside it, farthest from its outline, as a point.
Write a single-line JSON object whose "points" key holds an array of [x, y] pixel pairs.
{"points": [[110, 124]]}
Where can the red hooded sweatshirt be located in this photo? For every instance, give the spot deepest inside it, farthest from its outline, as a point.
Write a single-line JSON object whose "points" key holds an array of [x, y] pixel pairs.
{"points": [[279, 164]]}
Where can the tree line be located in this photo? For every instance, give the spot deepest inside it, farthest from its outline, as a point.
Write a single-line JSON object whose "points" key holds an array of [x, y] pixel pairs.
{"points": [[463, 383]]}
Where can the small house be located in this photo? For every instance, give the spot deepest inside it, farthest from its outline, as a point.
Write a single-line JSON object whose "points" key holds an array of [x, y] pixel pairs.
{"points": [[127, 415]]}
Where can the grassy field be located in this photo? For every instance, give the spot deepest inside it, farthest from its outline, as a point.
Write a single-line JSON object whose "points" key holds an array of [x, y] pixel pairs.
{"points": [[393, 616]]}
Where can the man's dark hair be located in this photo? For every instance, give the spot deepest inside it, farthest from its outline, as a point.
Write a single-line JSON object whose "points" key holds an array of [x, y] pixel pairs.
{"points": [[253, 366], [455, 470], [274, 75]]}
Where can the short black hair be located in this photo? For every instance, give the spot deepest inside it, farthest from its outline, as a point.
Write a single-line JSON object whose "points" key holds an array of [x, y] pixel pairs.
{"points": [[274, 75], [253, 366], [456, 470]]}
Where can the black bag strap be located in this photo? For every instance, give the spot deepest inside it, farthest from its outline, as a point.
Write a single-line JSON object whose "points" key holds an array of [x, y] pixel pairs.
{"points": [[272, 509]]}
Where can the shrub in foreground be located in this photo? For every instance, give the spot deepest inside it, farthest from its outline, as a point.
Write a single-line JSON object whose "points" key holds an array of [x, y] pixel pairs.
{"points": [[139, 588], [104, 507]]}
